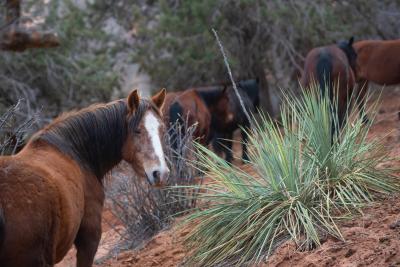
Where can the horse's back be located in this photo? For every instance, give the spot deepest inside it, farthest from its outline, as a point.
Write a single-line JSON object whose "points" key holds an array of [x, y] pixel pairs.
{"points": [[168, 102], [197, 112], [191, 109], [377, 46], [378, 61]]}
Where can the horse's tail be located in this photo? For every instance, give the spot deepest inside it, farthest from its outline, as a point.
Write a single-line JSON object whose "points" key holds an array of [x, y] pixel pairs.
{"points": [[177, 124], [2, 228], [325, 79], [324, 72]]}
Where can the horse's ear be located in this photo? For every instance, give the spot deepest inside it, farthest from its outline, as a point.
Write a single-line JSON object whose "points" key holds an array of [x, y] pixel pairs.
{"points": [[351, 40], [133, 101], [158, 99]]}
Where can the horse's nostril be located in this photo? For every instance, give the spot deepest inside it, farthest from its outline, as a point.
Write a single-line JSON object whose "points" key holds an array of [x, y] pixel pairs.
{"points": [[156, 176]]}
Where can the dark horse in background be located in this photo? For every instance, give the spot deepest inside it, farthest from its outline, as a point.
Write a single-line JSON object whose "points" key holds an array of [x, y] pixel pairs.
{"points": [[52, 191], [195, 106], [332, 67], [377, 62], [223, 131], [216, 111]]}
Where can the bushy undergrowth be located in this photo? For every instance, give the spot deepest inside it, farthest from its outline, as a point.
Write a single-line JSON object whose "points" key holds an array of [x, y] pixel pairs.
{"points": [[14, 126], [302, 184]]}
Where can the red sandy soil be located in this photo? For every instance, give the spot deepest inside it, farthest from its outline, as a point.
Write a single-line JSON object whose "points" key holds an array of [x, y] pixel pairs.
{"points": [[372, 239], [165, 249]]}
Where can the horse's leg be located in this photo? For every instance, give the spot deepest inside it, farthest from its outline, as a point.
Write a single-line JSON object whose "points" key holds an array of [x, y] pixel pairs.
{"points": [[222, 144], [227, 146], [362, 89], [216, 144], [89, 234], [87, 241], [335, 121], [245, 156], [342, 112]]}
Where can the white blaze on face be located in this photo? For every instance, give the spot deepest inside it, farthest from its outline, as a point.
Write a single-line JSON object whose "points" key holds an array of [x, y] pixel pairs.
{"points": [[152, 126]]}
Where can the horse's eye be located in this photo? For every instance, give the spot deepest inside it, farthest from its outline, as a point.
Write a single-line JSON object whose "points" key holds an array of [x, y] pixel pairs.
{"points": [[137, 131]]}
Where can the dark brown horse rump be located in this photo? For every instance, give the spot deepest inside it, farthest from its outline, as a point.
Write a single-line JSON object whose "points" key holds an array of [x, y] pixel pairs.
{"points": [[52, 192], [331, 67]]}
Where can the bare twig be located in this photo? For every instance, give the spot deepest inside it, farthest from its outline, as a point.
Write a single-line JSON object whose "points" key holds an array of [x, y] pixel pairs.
{"points": [[13, 129], [231, 77]]}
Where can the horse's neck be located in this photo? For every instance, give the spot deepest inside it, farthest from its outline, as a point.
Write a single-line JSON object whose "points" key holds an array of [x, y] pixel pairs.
{"points": [[93, 139]]}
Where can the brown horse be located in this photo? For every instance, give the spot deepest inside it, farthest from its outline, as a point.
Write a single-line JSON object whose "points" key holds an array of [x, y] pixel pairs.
{"points": [[197, 106], [333, 68], [52, 192], [378, 62]]}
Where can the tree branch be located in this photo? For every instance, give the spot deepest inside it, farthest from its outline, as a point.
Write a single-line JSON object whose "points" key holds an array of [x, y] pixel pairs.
{"points": [[19, 38], [13, 11], [231, 77]]}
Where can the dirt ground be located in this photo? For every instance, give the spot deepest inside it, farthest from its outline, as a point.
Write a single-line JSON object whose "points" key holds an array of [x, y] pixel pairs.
{"points": [[372, 239]]}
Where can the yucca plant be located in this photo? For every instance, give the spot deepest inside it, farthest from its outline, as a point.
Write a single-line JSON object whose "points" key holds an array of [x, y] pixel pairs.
{"points": [[303, 183]]}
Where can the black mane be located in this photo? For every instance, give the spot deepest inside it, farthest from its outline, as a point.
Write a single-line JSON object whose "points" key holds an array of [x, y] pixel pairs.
{"points": [[349, 51], [94, 136], [211, 94]]}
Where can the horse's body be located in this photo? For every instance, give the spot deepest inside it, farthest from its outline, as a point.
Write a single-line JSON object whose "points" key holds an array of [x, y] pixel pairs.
{"points": [[331, 67], [223, 132], [377, 62], [196, 106], [51, 191], [188, 108], [43, 203]]}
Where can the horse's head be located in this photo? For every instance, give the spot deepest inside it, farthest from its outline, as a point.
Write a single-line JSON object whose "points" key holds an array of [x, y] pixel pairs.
{"points": [[216, 99], [144, 146], [224, 108], [348, 49], [222, 111]]}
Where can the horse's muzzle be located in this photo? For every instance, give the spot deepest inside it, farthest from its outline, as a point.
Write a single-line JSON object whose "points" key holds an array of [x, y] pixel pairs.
{"points": [[158, 177]]}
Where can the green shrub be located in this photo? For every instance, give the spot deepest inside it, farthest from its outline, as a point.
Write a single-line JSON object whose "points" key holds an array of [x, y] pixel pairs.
{"points": [[303, 183]]}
